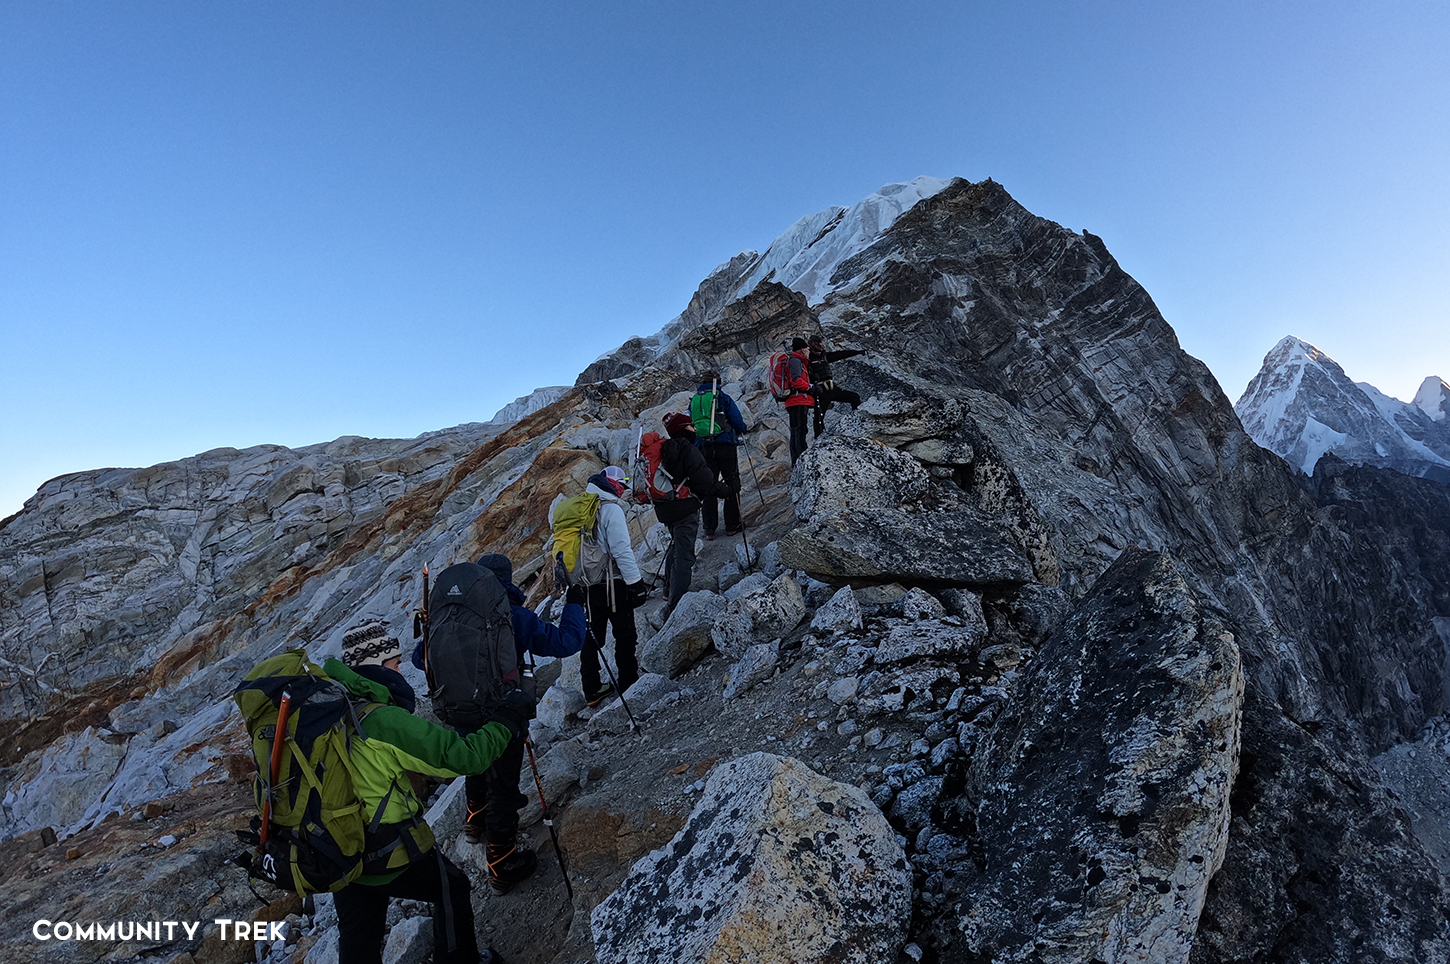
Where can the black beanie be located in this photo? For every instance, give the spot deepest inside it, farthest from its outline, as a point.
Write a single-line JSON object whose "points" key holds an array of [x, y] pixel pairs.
{"points": [[797, 343], [500, 565]]}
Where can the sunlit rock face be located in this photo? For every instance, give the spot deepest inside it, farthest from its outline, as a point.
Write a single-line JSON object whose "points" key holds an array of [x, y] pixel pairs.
{"points": [[1038, 488]]}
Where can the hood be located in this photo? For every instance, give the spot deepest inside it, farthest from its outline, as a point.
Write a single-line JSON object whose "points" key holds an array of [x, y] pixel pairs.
{"points": [[601, 492]]}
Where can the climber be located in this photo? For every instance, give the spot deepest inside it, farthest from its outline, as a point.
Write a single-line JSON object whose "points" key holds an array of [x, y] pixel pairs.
{"points": [[827, 390], [802, 399], [402, 858], [612, 600], [493, 798], [684, 464], [718, 427]]}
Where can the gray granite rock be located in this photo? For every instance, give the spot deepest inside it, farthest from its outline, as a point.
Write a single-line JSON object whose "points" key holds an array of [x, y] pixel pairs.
{"points": [[758, 616], [754, 667], [684, 637], [920, 604], [841, 611], [960, 548], [845, 472], [776, 864]]}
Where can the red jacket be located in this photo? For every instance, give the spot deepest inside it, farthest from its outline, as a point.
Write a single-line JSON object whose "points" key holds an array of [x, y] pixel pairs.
{"points": [[800, 380]]}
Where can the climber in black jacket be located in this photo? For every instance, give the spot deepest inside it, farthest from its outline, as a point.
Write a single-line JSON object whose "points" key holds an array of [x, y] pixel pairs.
{"points": [[828, 392], [686, 466]]}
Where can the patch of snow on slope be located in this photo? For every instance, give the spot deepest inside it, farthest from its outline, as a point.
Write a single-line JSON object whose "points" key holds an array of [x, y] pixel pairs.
{"points": [[1318, 438], [1390, 410], [529, 404]]}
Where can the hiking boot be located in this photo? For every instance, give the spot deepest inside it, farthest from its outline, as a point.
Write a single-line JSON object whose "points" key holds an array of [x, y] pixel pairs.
{"points": [[732, 532], [509, 865], [710, 536], [490, 956], [600, 695], [473, 824]]}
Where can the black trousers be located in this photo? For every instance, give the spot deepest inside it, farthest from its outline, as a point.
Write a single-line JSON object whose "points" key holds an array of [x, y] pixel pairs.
{"points": [[723, 461], [680, 557], [362, 912], [621, 619], [823, 405], [799, 419], [493, 796]]}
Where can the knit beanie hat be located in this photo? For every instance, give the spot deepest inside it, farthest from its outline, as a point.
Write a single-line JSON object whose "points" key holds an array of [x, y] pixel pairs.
{"points": [[677, 424], [797, 343], [500, 565], [368, 644]]}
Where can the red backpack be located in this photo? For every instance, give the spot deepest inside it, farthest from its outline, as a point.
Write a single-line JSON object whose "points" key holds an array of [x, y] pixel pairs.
{"points": [[780, 380], [651, 482]]}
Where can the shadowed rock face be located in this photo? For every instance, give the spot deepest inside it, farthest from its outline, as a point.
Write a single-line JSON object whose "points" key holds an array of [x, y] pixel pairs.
{"points": [[1103, 789]]}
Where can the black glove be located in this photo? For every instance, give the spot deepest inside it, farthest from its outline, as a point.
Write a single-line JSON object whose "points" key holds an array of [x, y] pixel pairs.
{"points": [[514, 711], [576, 595], [635, 593]]}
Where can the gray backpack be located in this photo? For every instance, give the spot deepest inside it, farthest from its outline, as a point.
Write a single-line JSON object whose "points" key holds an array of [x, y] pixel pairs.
{"points": [[470, 658]]}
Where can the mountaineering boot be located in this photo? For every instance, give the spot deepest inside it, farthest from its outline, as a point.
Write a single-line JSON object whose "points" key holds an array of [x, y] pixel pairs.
{"points": [[509, 865], [600, 695], [490, 956], [473, 826]]}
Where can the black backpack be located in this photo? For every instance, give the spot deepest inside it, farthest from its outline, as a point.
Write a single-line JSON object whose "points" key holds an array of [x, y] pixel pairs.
{"points": [[470, 658]]}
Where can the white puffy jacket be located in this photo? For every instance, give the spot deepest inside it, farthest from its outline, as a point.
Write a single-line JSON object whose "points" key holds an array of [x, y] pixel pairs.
{"points": [[614, 534]]}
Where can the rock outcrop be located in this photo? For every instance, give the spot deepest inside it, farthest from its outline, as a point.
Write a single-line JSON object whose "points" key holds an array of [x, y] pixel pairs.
{"points": [[1103, 789], [775, 864]]}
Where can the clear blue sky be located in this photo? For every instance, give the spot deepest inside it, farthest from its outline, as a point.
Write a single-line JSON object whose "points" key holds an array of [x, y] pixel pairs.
{"points": [[230, 223]]}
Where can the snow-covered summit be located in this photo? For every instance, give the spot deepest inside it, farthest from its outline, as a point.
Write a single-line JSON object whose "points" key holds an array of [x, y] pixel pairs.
{"points": [[1301, 405], [805, 257], [1433, 398]]}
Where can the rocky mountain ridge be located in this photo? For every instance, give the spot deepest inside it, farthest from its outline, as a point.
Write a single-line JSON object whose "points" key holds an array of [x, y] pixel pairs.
{"points": [[1121, 684], [1301, 405]]}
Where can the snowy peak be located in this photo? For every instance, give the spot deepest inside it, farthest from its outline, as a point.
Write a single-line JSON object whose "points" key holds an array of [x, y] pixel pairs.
{"points": [[1301, 405], [807, 255], [1433, 399]]}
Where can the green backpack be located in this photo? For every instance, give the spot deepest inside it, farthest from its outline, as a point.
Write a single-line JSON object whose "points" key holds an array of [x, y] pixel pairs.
{"points": [[706, 415], [308, 835]]}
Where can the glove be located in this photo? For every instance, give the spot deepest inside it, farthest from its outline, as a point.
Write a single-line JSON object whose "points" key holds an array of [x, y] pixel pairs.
{"points": [[576, 596], [514, 711], [635, 593]]}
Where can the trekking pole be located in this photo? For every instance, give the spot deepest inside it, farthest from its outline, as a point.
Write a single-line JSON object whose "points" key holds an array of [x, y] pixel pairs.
{"points": [[751, 462], [549, 819], [615, 683]]}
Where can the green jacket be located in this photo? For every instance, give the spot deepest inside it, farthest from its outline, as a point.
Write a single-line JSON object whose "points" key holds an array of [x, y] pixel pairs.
{"points": [[397, 741]]}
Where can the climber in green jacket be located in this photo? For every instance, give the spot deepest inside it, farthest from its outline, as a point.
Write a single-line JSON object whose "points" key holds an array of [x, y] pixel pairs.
{"points": [[401, 859]]}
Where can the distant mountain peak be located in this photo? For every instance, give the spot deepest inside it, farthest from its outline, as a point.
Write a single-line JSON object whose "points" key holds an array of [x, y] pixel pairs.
{"points": [[1433, 398], [1301, 405]]}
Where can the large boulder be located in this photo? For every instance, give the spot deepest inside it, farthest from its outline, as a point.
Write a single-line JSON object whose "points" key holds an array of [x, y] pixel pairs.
{"points": [[684, 637], [1104, 785], [960, 548], [757, 616], [776, 864], [849, 472]]}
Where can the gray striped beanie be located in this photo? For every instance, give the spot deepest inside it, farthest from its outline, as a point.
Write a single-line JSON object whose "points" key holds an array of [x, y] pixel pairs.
{"points": [[368, 644]]}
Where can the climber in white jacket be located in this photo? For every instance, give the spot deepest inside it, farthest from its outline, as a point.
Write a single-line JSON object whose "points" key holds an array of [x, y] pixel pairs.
{"points": [[613, 600]]}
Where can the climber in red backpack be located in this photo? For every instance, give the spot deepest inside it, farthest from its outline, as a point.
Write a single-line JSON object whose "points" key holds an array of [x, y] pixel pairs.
{"points": [[792, 373]]}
